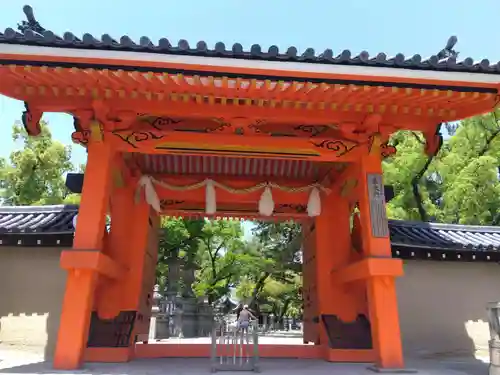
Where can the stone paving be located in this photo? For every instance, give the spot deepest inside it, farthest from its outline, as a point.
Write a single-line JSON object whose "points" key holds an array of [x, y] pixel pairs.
{"points": [[275, 339], [15, 361], [268, 366], [30, 364]]}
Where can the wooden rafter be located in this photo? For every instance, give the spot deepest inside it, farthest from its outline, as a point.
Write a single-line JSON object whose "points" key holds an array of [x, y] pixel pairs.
{"points": [[32, 83]]}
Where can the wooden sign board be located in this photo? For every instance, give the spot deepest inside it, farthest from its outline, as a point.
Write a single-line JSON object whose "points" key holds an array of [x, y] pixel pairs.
{"points": [[378, 214]]}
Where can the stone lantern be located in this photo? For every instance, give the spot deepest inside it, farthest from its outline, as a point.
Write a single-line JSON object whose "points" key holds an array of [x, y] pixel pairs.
{"points": [[155, 309], [494, 343], [157, 297]]}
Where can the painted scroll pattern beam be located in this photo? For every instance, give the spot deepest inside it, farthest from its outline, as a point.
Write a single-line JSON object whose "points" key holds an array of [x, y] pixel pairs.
{"points": [[152, 141]]}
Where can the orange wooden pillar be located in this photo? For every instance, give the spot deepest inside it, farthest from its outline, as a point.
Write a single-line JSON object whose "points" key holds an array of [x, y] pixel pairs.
{"points": [[309, 292], [85, 261], [379, 269], [143, 256], [324, 263], [109, 298], [132, 242], [111, 294], [333, 245]]}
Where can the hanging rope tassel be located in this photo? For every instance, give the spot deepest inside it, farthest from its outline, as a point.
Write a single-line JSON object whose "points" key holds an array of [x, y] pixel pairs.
{"points": [[210, 198], [152, 199], [266, 202], [314, 203]]}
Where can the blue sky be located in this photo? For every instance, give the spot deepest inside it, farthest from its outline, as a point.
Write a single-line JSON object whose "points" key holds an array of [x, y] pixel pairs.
{"points": [[388, 26]]}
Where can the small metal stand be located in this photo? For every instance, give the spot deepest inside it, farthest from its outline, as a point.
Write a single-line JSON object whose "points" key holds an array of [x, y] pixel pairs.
{"points": [[233, 350]]}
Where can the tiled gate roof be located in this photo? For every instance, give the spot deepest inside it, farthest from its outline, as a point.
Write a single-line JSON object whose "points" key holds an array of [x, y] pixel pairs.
{"points": [[32, 34], [53, 226], [236, 51]]}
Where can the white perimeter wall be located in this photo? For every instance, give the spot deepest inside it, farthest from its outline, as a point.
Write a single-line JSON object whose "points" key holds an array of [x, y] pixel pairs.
{"points": [[442, 306], [31, 293]]}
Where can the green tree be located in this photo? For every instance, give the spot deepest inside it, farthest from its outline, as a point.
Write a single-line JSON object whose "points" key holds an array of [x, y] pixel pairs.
{"points": [[275, 297], [282, 298], [459, 185], [467, 172], [178, 242], [34, 175], [211, 247], [3, 174], [273, 254], [401, 171], [221, 258]]}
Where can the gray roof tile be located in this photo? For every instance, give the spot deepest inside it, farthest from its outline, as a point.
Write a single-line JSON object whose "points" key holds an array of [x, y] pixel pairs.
{"points": [[444, 236], [33, 34], [404, 234], [37, 219]]}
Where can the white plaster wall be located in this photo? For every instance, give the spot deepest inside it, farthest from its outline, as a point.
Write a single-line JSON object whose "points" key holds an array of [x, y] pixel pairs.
{"points": [[442, 306], [31, 293]]}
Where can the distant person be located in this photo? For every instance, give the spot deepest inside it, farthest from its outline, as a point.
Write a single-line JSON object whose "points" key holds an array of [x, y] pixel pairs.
{"points": [[238, 309], [244, 319]]}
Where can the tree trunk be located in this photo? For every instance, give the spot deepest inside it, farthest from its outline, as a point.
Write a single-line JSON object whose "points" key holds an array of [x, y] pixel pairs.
{"points": [[416, 191], [490, 139], [258, 288], [496, 220], [285, 308]]}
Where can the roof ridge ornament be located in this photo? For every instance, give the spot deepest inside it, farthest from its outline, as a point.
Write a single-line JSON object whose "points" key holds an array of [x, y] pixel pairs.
{"points": [[448, 50], [31, 23]]}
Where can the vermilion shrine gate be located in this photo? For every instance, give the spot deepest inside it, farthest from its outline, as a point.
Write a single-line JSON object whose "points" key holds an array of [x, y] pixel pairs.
{"points": [[187, 130]]}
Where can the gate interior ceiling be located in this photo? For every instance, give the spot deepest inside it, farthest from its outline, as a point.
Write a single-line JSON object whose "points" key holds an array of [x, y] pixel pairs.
{"points": [[183, 130], [238, 173]]}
